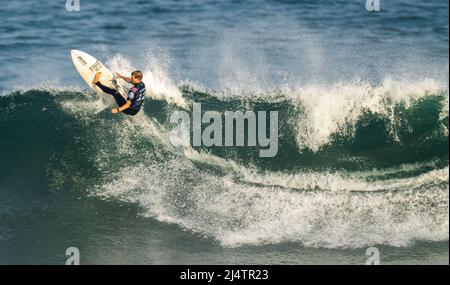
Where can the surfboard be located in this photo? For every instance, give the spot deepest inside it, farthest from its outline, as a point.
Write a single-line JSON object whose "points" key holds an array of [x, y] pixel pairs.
{"points": [[87, 66]]}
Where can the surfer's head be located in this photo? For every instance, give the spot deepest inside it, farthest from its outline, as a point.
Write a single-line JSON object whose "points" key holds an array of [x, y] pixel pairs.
{"points": [[136, 76]]}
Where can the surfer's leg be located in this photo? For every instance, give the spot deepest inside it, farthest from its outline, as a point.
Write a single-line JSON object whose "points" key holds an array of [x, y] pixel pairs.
{"points": [[105, 89], [130, 112], [119, 99]]}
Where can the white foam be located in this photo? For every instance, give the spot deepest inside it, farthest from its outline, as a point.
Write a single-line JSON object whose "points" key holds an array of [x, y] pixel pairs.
{"points": [[325, 109], [156, 78], [249, 207], [238, 214]]}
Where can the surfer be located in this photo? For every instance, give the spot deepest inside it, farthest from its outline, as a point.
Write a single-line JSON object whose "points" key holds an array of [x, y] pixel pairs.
{"points": [[132, 104]]}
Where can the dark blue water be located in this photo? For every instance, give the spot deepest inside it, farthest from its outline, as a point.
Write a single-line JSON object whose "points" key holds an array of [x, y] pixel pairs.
{"points": [[211, 41], [363, 145]]}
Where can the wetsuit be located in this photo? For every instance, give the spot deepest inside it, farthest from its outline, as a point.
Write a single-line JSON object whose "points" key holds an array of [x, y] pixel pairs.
{"points": [[135, 95]]}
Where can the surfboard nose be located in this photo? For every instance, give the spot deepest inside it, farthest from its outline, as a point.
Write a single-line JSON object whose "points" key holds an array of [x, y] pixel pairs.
{"points": [[76, 54]]}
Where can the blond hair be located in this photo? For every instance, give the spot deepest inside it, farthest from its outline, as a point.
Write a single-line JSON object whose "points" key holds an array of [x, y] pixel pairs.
{"points": [[137, 74]]}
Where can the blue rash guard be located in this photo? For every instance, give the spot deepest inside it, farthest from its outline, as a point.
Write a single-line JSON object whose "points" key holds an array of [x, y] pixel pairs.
{"points": [[136, 96]]}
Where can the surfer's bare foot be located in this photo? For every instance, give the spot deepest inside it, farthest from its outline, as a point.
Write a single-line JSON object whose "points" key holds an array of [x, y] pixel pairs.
{"points": [[97, 77]]}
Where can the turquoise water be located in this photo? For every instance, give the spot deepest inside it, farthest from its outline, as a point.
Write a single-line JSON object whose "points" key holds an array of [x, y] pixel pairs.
{"points": [[363, 134]]}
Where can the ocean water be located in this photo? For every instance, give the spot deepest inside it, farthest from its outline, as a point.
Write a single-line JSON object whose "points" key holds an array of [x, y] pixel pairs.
{"points": [[363, 133]]}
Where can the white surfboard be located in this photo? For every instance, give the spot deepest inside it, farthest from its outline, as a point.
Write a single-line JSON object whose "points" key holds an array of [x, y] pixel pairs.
{"points": [[88, 66]]}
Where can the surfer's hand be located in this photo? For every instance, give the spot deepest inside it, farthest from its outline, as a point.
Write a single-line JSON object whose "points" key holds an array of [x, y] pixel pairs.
{"points": [[115, 110], [119, 75]]}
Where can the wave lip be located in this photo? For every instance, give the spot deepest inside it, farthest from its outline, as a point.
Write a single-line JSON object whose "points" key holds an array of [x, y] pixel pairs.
{"points": [[323, 111]]}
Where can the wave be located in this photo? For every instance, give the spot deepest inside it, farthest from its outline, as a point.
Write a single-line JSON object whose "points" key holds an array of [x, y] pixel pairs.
{"points": [[357, 165]]}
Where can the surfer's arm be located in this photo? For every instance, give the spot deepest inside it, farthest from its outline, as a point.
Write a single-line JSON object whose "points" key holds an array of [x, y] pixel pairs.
{"points": [[127, 79], [121, 108]]}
